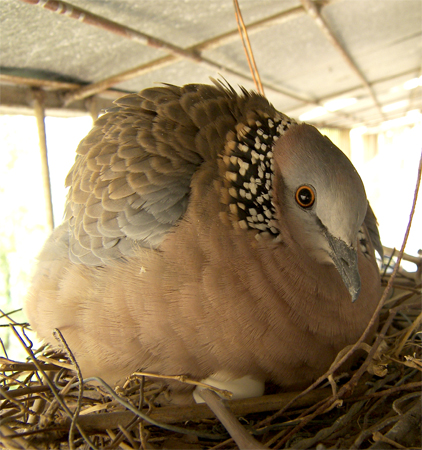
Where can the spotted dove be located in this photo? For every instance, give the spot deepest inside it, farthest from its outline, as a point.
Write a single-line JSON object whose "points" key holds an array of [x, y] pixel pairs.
{"points": [[209, 235]]}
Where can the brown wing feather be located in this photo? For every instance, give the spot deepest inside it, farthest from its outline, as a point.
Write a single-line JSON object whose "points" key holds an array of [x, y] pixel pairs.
{"points": [[131, 180]]}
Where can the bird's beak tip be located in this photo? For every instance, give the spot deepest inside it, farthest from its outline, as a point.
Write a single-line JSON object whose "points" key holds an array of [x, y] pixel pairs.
{"points": [[354, 293], [346, 262]]}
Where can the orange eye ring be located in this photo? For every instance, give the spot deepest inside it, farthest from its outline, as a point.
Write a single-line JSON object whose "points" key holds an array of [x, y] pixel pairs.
{"points": [[305, 196]]}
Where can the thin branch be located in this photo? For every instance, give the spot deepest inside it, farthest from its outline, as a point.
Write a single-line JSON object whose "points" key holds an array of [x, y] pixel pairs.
{"points": [[247, 47], [52, 387], [58, 335]]}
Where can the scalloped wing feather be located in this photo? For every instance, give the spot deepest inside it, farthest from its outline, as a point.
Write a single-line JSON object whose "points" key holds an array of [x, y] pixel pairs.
{"points": [[130, 183]]}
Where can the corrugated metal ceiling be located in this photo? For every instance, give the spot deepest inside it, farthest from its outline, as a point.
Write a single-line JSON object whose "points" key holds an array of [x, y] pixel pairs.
{"points": [[300, 68]]}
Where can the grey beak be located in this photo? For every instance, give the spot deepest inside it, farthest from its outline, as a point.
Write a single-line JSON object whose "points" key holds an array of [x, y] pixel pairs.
{"points": [[345, 259]]}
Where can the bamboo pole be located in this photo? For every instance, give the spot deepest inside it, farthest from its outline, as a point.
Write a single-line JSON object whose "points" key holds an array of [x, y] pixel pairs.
{"points": [[91, 104], [39, 111]]}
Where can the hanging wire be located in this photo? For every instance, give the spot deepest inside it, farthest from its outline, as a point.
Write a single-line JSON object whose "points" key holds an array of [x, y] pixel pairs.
{"points": [[248, 49]]}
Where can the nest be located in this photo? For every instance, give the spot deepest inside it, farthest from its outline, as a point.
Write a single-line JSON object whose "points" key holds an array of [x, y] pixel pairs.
{"points": [[376, 404]]}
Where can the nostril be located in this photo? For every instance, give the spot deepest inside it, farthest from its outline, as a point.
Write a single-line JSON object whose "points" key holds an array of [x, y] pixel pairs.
{"points": [[345, 262]]}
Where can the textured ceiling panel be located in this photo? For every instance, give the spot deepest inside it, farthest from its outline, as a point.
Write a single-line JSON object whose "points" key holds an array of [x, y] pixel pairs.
{"points": [[292, 51], [299, 66], [36, 39], [382, 37], [185, 22]]}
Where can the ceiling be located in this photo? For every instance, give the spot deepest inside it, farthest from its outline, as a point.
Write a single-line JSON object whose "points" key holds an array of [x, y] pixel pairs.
{"points": [[307, 52]]}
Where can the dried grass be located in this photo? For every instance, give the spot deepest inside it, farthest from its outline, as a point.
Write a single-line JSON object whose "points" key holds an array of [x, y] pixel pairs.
{"points": [[45, 405]]}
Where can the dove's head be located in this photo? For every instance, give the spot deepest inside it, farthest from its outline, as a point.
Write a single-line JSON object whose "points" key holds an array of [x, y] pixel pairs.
{"points": [[321, 199], [285, 176]]}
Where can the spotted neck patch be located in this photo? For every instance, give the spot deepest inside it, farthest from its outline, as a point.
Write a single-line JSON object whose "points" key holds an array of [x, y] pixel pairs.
{"points": [[249, 173]]}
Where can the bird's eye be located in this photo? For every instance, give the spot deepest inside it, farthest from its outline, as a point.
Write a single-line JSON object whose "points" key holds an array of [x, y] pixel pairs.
{"points": [[305, 196]]}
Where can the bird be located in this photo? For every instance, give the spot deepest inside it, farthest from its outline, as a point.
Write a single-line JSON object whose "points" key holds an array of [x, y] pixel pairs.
{"points": [[207, 234]]}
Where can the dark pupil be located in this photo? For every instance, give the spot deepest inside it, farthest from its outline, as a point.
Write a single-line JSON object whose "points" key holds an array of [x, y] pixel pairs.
{"points": [[305, 196]]}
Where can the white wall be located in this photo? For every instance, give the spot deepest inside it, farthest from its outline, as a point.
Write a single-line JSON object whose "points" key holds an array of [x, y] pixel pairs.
{"points": [[390, 180]]}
